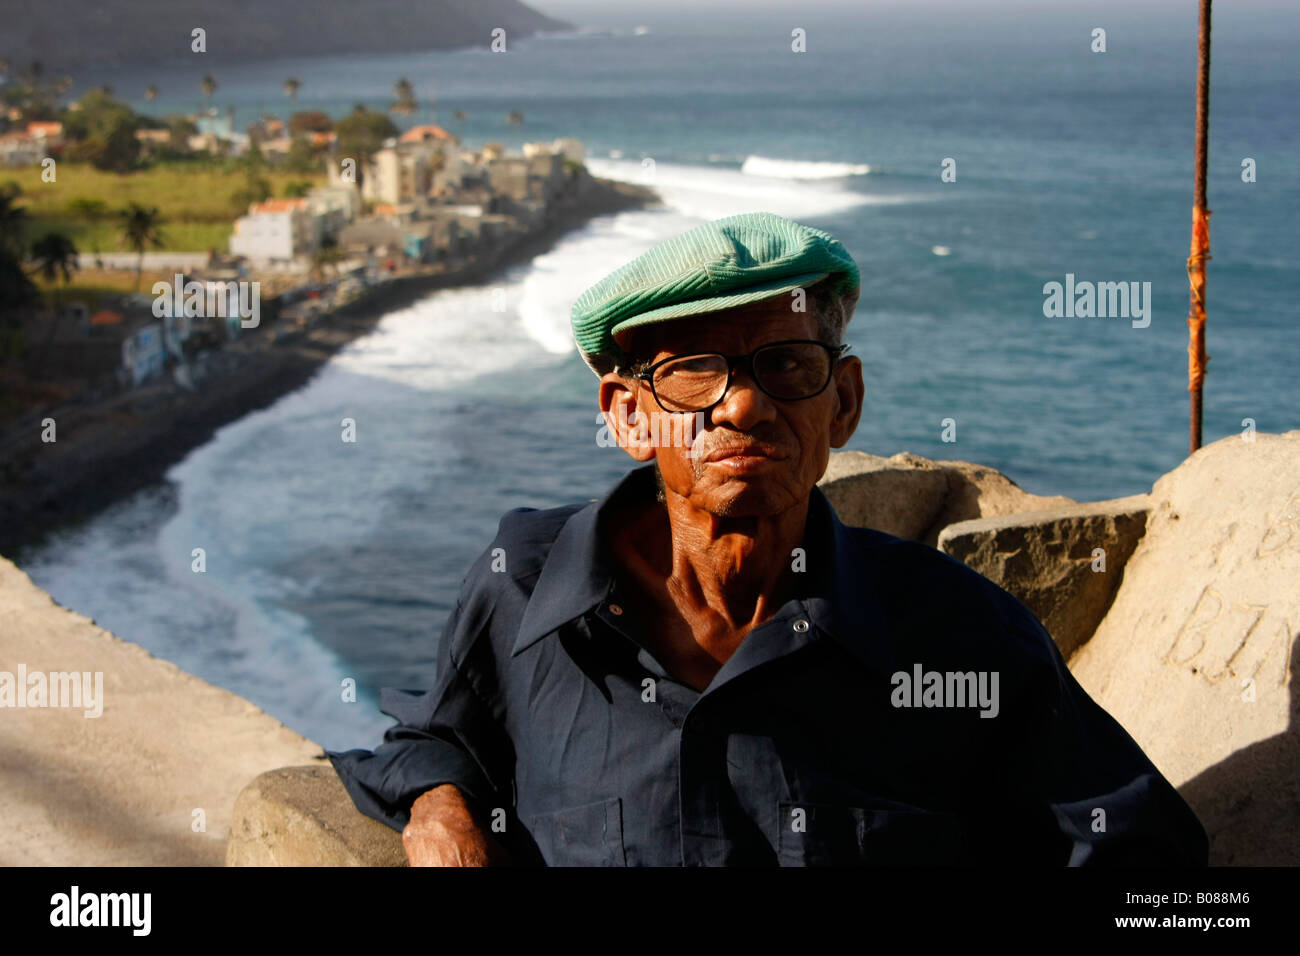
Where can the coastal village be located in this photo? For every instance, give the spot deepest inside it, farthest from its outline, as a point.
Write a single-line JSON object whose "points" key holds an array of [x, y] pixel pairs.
{"points": [[423, 206], [331, 224]]}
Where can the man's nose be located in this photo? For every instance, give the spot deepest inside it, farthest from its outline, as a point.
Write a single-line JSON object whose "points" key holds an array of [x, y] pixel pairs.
{"points": [[744, 403]]}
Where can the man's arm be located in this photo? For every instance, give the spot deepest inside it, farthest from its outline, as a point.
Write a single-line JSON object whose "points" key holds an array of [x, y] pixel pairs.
{"points": [[442, 769], [445, 831], [1109, 802]]}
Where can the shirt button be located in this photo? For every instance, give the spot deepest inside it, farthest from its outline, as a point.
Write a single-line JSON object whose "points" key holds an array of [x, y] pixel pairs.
{"points": [[801, 625], [615, 609]]}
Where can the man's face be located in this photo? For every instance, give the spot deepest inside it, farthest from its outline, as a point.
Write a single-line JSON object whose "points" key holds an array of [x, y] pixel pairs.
{"points": [[788, 442]]}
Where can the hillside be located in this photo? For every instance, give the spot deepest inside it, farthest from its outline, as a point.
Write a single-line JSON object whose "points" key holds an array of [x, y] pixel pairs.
{"points": [[71, 33]]}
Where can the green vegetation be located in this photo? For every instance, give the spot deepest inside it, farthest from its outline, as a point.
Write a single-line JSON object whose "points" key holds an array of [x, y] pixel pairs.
{"points": [[327, 256], [303, 157], [91, 285], [17, 291], [257, 188], [198, 200], [102, 133], [55, 256], [56, 259], [140, 232], [361, 135]]}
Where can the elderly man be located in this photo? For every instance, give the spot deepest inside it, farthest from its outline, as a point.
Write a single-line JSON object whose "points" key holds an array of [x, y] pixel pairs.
{"points": [[706, 667]]}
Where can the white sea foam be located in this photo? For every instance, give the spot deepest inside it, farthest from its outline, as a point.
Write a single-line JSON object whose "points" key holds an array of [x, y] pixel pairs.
{"points": [[447, 339], [703, 192], [800, 169], [691, 195]]}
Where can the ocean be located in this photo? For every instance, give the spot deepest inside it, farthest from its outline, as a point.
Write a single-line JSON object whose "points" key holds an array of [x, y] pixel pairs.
{"points": [[328, 560]]}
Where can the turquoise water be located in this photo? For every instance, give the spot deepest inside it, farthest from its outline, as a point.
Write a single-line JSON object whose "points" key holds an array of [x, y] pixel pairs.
{"points": [[328, 560]]}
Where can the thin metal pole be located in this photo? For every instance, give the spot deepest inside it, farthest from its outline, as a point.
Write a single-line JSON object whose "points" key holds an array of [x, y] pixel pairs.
{"points": [[1200, 252]]}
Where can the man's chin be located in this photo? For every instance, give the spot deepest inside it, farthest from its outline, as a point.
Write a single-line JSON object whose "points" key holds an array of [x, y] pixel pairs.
{"points": [[747, 496]]}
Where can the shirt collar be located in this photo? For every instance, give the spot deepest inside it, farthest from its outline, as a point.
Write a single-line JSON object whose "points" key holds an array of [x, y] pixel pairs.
{"points": [[579, 572]]}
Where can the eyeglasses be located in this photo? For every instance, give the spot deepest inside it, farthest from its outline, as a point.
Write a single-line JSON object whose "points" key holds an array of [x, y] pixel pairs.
{"points": [[790, 371]]}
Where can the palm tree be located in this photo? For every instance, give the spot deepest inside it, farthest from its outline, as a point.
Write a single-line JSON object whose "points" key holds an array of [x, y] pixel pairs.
{"points": [[151, 92], [55, 257], [17, 291], [515, 118], [291, 87], [405, 94], [328, 254], [209, 84], [139, 232], [13, 221], [361, 134]]}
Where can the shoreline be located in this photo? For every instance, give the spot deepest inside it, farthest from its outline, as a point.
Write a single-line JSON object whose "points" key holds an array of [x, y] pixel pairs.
{"points": [[108, 450]]}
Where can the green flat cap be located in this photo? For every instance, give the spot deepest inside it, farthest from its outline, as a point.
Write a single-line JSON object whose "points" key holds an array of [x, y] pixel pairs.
{"points": [[719, 265]]}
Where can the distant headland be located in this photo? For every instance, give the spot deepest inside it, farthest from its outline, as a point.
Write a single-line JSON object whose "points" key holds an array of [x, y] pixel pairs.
{"points": [[69, 33]]}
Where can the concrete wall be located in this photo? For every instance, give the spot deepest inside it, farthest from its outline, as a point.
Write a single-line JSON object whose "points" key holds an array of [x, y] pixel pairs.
{"points": [[122, 788]]}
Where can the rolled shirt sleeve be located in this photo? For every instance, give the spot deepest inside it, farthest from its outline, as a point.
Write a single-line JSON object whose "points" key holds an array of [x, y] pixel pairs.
{"points": [[445, 735]]}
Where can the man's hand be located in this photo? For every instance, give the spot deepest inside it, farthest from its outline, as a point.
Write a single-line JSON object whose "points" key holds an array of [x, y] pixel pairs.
{"points": [[443, 832]]}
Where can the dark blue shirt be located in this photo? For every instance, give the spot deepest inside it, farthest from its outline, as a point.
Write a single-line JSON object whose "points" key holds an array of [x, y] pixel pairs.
{"points": [[848, 728]]}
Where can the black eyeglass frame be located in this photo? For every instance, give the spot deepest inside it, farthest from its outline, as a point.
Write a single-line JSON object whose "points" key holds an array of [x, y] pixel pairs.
{"points": [[746, 362]]}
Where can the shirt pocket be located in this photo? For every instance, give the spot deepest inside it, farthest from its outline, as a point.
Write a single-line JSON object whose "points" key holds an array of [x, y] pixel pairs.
{"points": [[838, 835], [587, 835]]}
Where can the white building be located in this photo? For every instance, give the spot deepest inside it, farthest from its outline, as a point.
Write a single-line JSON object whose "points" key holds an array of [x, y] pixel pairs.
{"points": [[277, 232], [20, 149]]}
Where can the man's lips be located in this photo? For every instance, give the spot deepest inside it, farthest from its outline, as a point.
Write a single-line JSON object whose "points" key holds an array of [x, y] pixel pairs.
{"points": [[744, 451]]}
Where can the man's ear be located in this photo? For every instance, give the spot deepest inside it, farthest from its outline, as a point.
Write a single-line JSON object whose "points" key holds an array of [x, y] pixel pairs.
{"points": [[847, 383], [630, 428]]}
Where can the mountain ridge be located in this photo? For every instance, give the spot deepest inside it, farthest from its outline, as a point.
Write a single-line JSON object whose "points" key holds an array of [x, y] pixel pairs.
{"points": [[71, 33]]}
